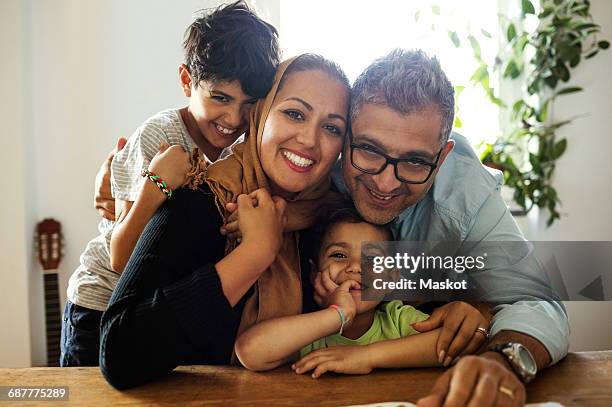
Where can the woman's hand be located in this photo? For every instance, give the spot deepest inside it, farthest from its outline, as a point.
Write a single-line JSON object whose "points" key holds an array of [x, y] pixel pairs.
{"points": [[460, 335], [339, 359], [262, 224], [171, 163]]}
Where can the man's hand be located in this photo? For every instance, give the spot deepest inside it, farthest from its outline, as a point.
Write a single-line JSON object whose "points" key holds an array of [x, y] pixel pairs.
{"points": [[485, 380], [103, 200], [339, 359], [460, 336]]}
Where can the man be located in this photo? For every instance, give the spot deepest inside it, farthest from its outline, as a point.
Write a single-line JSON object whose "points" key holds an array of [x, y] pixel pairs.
{"points": [[399, 165]]}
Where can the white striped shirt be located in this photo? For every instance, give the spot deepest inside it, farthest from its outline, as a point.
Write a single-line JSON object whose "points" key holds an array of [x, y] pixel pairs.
{"points": [[93, 282]]}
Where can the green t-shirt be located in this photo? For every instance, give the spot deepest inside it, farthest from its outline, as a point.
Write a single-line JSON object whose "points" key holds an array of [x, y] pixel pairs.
{"points": [[391, 321]]}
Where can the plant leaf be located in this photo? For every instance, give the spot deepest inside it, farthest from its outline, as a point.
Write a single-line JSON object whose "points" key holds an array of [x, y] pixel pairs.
{"points": [[485, 33], [571, 89], [527, 7], [454, 38], [511, 32], [603, 44], [475, 46], [559, 148]]}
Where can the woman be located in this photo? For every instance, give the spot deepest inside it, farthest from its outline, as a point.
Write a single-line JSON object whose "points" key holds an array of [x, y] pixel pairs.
{"points": [[184, 296]]}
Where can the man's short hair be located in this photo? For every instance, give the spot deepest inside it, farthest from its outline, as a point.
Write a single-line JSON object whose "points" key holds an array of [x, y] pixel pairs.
{"points": [[231, 43], [407, 81]]}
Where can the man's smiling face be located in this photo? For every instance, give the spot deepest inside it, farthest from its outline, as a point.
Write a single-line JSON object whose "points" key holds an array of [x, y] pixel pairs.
{"points": [[382, 197]]}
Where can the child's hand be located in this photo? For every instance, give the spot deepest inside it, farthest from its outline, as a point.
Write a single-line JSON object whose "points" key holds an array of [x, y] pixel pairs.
{"points": [[339, 359], [171, 163], [262, 225], [324, 286], [343, 298]]}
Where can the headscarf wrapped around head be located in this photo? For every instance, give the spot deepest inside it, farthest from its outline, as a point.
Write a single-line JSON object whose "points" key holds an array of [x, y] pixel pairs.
{"points": [[278, 291]]}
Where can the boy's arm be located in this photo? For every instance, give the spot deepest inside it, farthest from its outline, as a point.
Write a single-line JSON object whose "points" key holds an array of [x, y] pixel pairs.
{"points": [[271, 343], [417, 350], [132, 217], [172, 165]]}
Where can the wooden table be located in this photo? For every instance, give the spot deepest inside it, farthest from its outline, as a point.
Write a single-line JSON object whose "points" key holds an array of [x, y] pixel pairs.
{"points": [[582, 379]]}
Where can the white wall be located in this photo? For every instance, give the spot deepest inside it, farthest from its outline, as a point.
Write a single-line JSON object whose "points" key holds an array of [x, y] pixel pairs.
{"points": [[76, 75], [583, 180], [16, 204]]}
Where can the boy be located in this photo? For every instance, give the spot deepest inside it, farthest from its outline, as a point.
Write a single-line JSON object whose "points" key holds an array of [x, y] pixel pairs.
{"points": [[371, 336], [231, 56]]}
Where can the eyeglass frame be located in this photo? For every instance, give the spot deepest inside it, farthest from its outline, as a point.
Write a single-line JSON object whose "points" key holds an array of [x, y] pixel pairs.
{"points": [[393, 161]]}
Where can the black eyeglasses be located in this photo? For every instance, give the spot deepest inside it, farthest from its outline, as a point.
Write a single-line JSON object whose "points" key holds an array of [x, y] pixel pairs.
{"points": [[412, 170]]}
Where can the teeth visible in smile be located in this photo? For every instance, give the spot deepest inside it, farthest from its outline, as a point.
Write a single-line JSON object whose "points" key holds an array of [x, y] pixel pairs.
{"points": [[383, 197], [297, 160], [224, 130]]}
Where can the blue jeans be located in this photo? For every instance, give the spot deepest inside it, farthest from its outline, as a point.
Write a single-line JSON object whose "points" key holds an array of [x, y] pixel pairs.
{"points": [[80, 342]]}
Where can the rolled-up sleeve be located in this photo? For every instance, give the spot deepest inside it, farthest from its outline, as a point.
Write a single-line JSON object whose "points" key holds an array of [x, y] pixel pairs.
{"points": [[524, 302]]}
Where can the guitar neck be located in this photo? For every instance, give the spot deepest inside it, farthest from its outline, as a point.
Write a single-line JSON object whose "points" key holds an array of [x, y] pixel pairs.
{"points": [[53, 320]]}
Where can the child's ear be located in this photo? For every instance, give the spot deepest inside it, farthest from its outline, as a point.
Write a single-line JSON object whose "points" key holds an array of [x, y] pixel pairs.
{"points": [[185, 78]]}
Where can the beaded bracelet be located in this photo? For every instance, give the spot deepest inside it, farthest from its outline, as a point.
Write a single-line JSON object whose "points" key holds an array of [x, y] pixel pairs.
{"points": [[343, 320], [158, 181]]}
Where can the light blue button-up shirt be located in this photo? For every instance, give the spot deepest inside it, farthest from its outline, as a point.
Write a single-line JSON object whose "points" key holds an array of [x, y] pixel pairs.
{"points": [[465, 205]]}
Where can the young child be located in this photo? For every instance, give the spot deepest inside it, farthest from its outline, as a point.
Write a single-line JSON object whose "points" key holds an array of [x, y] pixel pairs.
{"points": [[351, 335], [231, 56]]}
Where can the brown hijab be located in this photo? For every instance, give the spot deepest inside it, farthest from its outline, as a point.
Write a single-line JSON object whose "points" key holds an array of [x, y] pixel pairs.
{"points": [[278, 291]]}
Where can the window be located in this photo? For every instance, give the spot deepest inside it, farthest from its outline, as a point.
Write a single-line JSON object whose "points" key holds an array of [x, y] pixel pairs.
{"points": [[354, 33]]}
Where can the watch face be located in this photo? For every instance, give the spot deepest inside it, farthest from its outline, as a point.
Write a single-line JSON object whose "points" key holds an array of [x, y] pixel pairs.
{"points": [[527, 360]]}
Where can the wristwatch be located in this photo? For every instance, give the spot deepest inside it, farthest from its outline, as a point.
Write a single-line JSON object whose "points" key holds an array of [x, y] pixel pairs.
{"points": [[519, 358]]}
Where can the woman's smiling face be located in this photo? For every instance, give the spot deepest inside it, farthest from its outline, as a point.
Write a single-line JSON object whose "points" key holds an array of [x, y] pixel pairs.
{"points": [[304, 131]]}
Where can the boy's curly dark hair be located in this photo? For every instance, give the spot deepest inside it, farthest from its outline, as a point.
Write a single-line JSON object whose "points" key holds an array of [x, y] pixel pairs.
{"points": [[230, 43]]}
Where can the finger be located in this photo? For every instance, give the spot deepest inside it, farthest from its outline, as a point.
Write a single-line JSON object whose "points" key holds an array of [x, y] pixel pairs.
{"points": [[121, 141], [438, 391], [262, 196], [461, 385], [516, 398], [348, 284], [434, 321], [464, 335], [231, 227], [486, 391], [329, 366], [163, 146], [326, 280], [231, 208], [449, 329], [280, 204], [311, 363], [319, 291], [244, 202], [106, 214], [235, 236], [474, 345]]}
